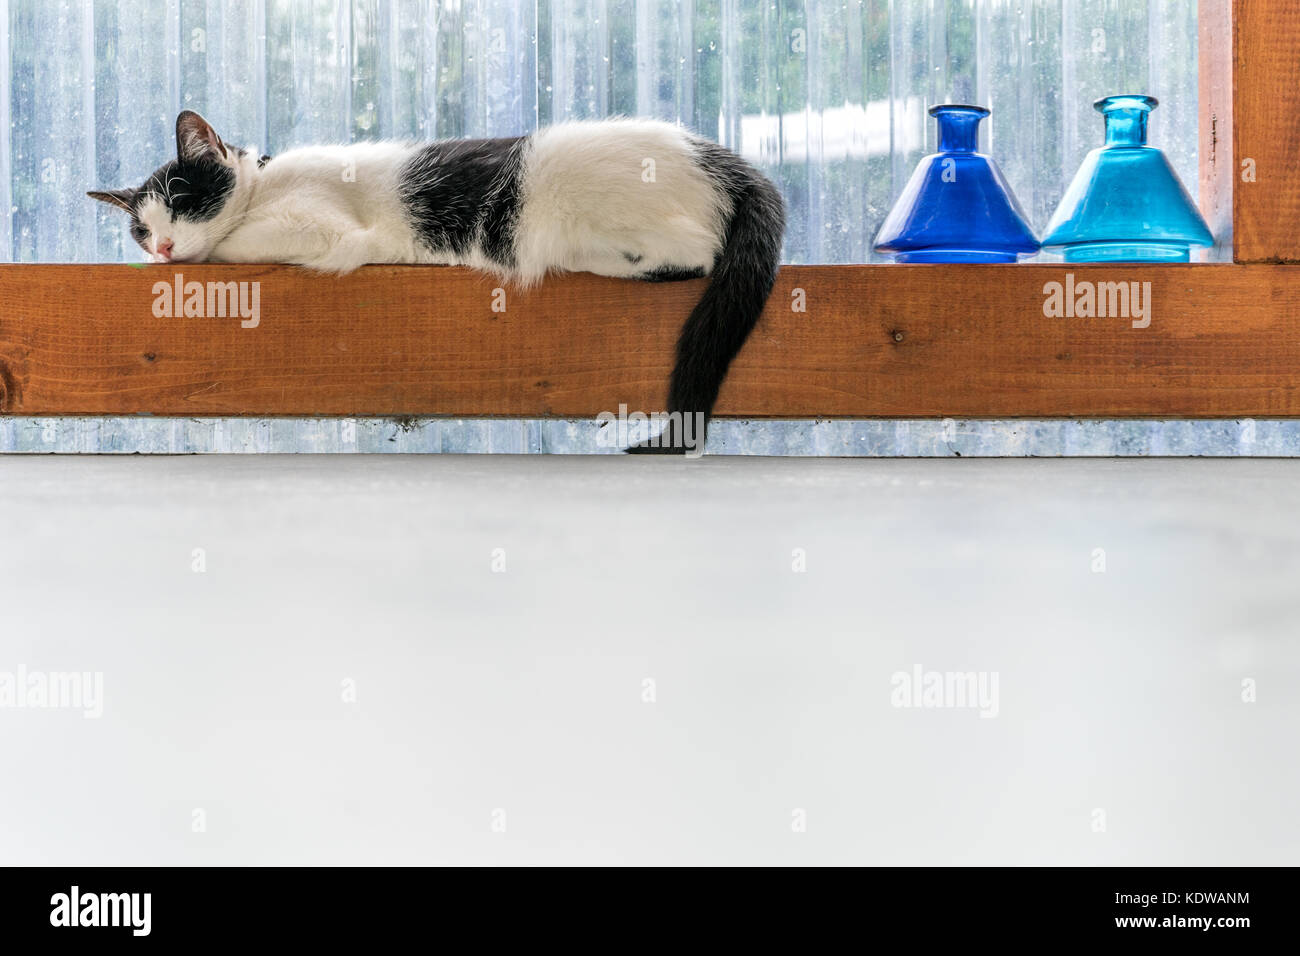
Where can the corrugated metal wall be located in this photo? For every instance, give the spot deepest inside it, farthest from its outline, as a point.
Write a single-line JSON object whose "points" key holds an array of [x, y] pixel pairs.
{"points": [[829, 96]]}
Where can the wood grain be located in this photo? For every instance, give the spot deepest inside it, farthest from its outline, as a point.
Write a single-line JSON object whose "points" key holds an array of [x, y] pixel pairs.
{"points": [[887, 341], [1266, 121]]}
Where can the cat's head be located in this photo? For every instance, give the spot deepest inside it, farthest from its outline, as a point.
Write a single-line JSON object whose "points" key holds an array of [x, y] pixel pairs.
{"points": [[192, 202]]}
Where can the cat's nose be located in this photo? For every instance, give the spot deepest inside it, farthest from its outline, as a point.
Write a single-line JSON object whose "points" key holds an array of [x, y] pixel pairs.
{"points": [[165, 248]]}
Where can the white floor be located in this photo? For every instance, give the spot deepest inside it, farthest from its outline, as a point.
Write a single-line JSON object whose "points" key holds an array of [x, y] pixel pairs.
{"points": [[649, 680]]}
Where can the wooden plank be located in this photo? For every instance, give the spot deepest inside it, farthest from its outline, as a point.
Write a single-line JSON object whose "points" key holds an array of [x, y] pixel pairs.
{"points": [[1218, 171], [1266, 115], [887, 341]]}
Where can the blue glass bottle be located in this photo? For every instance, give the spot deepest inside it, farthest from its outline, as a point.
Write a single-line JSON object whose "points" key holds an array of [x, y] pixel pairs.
{"points": [[957, 207], [1126, 203]]}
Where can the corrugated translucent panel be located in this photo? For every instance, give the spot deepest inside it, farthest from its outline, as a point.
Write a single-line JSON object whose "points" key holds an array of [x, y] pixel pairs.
{"points": [[1036, 129], [6, 148], [308, 73], [829, 97], [580, 63], [499, 71], [223, 46], [52, 147]]}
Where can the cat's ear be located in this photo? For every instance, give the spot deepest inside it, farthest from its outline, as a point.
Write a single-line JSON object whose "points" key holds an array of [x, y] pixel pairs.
{"points": [[195, 139], [121, 198]]}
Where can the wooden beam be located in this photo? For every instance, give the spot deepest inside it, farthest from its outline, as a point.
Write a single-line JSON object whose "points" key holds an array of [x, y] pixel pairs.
{"points": [[875, 341], [1266, 121]]}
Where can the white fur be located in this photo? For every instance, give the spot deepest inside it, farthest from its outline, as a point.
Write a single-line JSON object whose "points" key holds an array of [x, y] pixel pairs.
{"points": [[332, 208], [592, 192]]}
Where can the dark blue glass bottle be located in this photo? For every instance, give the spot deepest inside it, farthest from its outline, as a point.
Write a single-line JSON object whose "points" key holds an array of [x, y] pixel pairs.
{"points": [[957, 207], [1126, 203]]}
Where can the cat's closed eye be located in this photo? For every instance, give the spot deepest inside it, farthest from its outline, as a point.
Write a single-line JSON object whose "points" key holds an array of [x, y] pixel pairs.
{"points": [[140, 233]]}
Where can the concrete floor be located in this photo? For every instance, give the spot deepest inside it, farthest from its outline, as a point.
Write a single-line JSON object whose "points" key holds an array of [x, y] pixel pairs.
{"points": [[352, 677]]}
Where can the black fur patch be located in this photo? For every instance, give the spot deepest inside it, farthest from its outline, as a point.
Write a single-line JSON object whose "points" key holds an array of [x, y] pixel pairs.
{"points": [[459, 192], [193, 190], [742, 278], [672, 274]]}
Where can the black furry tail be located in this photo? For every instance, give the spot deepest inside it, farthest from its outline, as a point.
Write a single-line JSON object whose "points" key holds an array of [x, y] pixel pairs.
{"points": [[742, 278]]}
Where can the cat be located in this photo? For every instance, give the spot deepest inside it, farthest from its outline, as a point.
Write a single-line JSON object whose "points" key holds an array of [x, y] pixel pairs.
{"points": [[631, 198]]}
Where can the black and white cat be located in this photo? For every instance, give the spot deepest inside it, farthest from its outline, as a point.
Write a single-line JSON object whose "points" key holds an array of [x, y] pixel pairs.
{"points": [[629, 198]]}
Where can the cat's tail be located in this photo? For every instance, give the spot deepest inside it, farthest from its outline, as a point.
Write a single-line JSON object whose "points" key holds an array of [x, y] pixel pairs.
{"points": [[742, 278]]}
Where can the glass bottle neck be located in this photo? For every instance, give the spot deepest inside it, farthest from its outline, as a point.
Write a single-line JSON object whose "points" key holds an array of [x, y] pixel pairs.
{"points": [[959, 131], [1127, 127]]}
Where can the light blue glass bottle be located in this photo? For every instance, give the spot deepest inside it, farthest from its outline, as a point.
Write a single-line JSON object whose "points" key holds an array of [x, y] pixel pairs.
{"points": [[1126, 203], [957, 207]]}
